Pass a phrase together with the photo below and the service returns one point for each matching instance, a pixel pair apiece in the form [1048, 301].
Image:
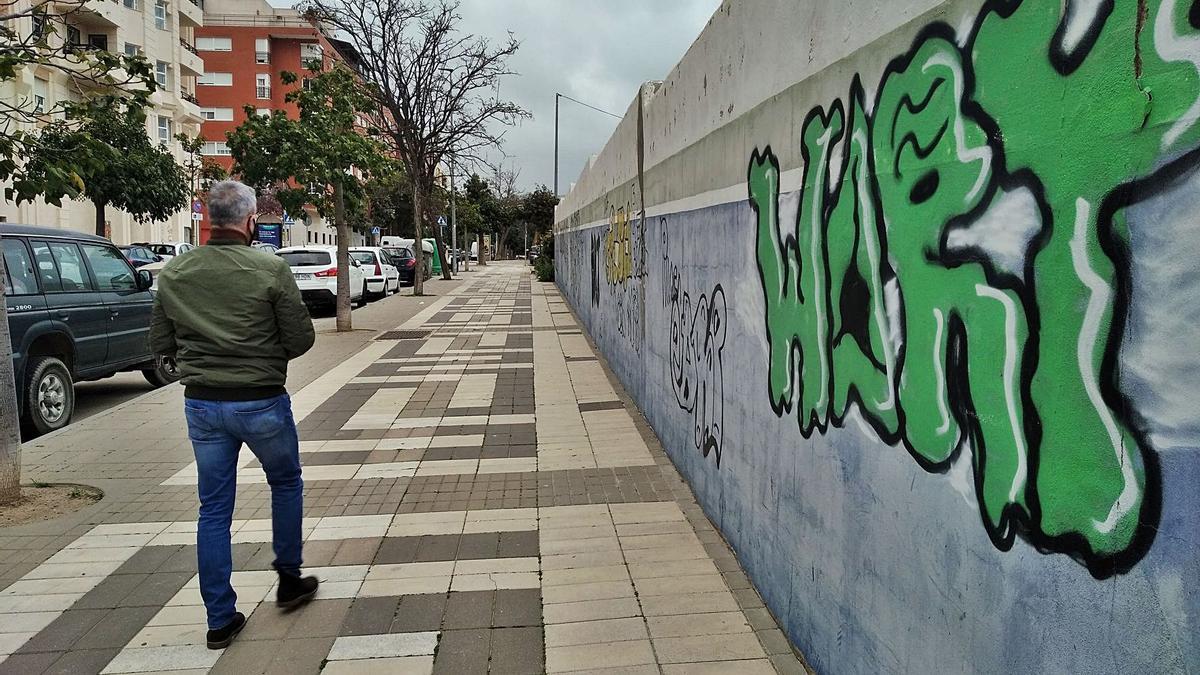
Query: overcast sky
[597, 51]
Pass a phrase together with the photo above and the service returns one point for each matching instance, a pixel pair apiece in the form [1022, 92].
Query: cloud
[598, 52]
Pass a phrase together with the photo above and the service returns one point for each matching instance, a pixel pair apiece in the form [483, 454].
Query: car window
[364, 257]
[21, 279]
[399, 253]
[70, 267]
[46, 269]
[111, 270]
[164, 249]
[306, 258]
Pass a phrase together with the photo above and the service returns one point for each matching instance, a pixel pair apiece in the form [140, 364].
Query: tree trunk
[418, 249]
[344, 321]
[10, 427]
[100, 219]
[479, 258]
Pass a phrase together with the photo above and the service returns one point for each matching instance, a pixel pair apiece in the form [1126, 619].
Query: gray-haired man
[232, 318]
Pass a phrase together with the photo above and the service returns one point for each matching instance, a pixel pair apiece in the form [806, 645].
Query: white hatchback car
[171, 249]
[383, 277]
[315, 269]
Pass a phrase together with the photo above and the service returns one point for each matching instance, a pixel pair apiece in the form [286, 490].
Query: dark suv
[77, 311]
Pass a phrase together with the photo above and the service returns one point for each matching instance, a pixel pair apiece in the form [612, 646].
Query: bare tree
[438, 89]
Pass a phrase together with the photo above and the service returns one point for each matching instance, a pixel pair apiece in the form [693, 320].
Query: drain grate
[405, 335]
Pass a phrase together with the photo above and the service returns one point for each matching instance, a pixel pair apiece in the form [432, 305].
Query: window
[309, 51]
[132, 49]
[217, 114]
[166, 130]
[39, 24]
[216, 79]
[262, 83]
[70, 267]
[41, 89]
[307, 84]
[98, 41]
[160, 15]
[263, 112]
[133, 4]
[162, 74]
[214, 44]
[111, 270]
[262, 50]
[74, 37]
[21, 279]
[216, 148]
[306, 258]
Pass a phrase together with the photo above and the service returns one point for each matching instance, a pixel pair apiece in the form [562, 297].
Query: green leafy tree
[31, 35]
[538, 207]
[319, 159]
[115, 163]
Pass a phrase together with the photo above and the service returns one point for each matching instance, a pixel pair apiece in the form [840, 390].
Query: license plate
[301, 276]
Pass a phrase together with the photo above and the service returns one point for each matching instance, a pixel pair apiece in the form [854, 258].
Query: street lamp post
[557, 96]
[453, 223]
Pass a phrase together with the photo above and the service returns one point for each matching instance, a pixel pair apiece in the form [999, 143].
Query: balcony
[190, 12]
[189, 109]
[189, 59]
[263, 92]
[104, 15]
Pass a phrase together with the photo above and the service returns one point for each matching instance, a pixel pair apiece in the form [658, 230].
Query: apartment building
[161, 30]
[247, 45]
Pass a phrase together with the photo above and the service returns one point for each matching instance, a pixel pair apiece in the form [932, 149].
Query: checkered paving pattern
[482, 499]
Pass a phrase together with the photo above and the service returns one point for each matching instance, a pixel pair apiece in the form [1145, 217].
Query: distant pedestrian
[232, 317]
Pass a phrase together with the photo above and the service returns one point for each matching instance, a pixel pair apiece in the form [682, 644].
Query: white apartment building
[164, 32]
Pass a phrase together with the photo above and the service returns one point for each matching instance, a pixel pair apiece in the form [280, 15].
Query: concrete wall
[909, 292]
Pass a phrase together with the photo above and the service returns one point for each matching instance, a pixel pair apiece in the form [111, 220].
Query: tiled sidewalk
[480, 497]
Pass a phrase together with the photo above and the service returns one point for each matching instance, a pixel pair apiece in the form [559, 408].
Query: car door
[72, 301]
[389, 269]
[25, 302]
[129, 308]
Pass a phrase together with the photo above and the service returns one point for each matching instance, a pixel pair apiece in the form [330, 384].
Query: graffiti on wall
[697, 340]
[624, 252]
[904, 288]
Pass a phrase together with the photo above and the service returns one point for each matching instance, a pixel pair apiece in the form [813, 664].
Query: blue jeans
[217, 430]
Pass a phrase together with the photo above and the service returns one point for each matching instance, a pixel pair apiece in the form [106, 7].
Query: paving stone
[705, 648]
[370, 616]
[608, 655]
[383, 646]
[247, 656]
[357, 551]
[463, 652]
[157, 589]
[299, 657]
[64, 631]
[320, 618]
[419, 613]
[469, 609]
[517, 651]
[29, 664]
[116, 627]
[595, 632]
[517, 607]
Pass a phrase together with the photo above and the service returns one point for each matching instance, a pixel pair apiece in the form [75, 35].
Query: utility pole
[453, 222]
[556, 97]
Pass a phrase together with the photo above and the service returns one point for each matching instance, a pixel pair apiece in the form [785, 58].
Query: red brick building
[247, 45]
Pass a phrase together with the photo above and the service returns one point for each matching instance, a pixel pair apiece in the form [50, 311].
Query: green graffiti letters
[939, 345]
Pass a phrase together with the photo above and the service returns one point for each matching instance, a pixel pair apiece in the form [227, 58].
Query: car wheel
[49, 395]
[166, 372]
[362, 298]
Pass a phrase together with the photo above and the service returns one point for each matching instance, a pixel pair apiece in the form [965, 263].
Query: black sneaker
[295, 591]
[221, 637]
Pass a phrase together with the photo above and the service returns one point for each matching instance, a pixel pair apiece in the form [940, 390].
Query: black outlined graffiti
[697, 340]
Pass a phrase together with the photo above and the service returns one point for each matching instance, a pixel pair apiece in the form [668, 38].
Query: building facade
[163, 32]
[247, 46]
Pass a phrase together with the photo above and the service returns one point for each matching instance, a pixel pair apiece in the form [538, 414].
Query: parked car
[77, 311]
[139, 255]
[404, 261]
[533, 253]
[315, 269]
[382, 275]
[168, 250]
[263, 246]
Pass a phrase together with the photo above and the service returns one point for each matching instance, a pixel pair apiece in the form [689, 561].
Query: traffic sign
[375, 231]
[197, 207]
[441, 221]
[197, 217]
[288, 220]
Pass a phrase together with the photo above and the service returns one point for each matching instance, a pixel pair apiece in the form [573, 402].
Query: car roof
[15, 229]
[292, 249]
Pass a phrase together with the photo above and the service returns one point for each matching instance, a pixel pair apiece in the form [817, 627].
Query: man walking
[232, 317]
